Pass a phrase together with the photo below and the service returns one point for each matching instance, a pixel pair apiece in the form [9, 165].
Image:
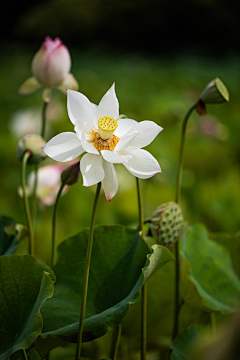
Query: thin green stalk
[26, 203]
[140, 206]
[24, 354]
[34, 198]
[176, 303]
[213, 323]
[144, 322]
[86, 275]
[144, 287]
[180, 162]
[54, 224]
[115, 342]
[44, 119]
[178, 193]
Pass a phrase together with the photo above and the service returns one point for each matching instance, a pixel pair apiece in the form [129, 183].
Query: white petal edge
[87, 146]
[115, 158]
[142, 164]
[110, 181]
[148, 130]
[92, 169]
[109, 105]
[79, 108]
[64, 147]
[126, 140]
[124, 125]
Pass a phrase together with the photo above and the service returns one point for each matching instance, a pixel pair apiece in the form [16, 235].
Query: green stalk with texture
[177, 199]
[144, 288]
[86, 275]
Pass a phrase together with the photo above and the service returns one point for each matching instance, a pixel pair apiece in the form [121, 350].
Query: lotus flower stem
[44, 118]
[26, 203]
[144, 287]
[115, 342]
[34, 198]
[178, 193]
[24, 354]
[213, 323]
[54, 224]
[86, 274]
[180, 162]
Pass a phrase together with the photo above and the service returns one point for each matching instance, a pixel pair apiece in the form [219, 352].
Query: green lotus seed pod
[215, 92]
[33, 144]
[167, 223]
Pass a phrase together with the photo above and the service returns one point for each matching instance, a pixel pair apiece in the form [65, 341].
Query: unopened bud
[167, 223]
[33, 144]
[71, 174]
[215, 92]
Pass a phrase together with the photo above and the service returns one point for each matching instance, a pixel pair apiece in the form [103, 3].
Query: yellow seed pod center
[106, 125]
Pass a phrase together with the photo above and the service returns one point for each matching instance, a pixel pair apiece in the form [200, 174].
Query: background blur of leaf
[161, 55]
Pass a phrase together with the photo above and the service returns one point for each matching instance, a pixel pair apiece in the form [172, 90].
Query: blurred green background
[161, 55]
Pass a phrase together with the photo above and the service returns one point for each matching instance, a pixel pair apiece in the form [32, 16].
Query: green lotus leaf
[212, 281]
[232, 243]
[11, 235]
[183, 344]
[116, 276]
[25, 284]
[161, 287]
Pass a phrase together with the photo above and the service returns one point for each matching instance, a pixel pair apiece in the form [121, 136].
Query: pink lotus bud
[52, 63]
[48, 184]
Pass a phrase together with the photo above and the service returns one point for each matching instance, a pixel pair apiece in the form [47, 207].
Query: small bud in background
[166, 223]
[50, 67]
[215, 92]
[71, 174]
[48, 184]
[33, 144]
[51, 63]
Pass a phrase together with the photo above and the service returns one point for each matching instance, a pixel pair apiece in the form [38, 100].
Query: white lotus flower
[106, 139]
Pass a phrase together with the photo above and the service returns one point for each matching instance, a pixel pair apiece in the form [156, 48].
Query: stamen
[107, 125]
[101, 144]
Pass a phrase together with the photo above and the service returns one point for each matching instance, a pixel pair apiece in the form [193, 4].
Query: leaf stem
[86, 274]
[177, 199]
[54, 224]
[26, 203]
[144, 287]
[176, 303]
[115, 342]
[24, 354]
[144, 322]
[44, 118]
